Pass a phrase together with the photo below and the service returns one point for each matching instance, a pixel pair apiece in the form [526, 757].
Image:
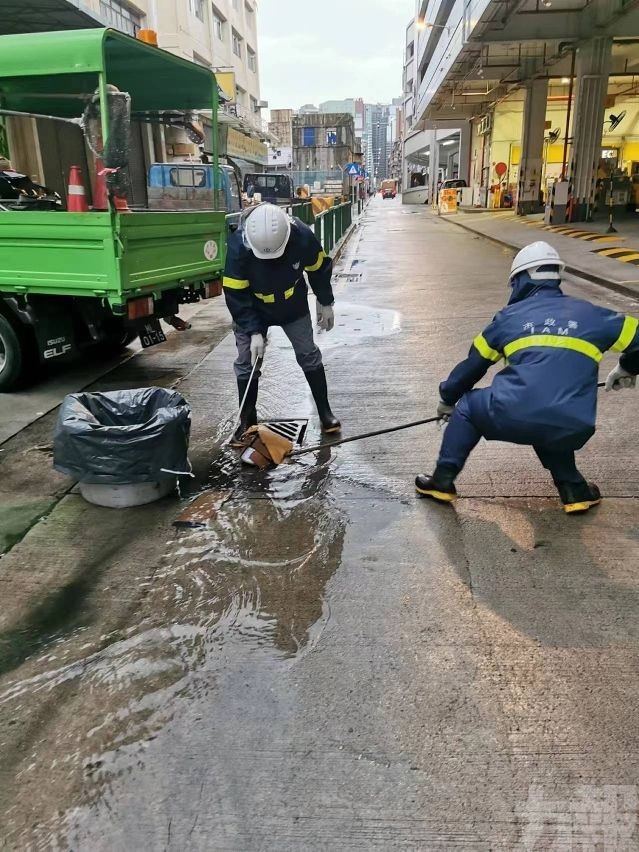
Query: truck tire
[12, 356]
[114, 343]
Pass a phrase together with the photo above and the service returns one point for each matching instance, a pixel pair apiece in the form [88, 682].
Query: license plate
[151, 334]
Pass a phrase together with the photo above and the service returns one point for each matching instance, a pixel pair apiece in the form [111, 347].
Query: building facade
[542, 96]
[221, 36]
[323, 142]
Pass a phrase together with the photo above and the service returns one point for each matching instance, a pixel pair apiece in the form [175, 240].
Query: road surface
[333, 664]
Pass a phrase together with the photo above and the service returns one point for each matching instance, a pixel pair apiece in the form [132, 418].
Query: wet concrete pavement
[332, 663]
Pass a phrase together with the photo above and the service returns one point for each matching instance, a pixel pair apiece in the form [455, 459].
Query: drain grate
[293, 430]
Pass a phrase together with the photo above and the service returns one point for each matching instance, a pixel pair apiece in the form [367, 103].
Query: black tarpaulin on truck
[122, 437]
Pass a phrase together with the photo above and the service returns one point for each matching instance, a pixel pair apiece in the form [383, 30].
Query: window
[218, 24]
[250, 15]
[237, 44]
[240, 95]
[254, 106]
[121, 17]
[197, 7]
[308, 136]
[200, 60]
[331, 136]
[188, 177]
[252, 59]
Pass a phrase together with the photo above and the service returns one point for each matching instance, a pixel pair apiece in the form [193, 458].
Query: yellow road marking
[611, 252]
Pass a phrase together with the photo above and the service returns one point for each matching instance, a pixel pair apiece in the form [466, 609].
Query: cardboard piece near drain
[203, 509]
[265, 448]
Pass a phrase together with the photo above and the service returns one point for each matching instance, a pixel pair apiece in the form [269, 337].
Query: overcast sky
[319, 50]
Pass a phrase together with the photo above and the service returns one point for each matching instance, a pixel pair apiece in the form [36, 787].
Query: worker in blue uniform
[546, 395]
[267, 260]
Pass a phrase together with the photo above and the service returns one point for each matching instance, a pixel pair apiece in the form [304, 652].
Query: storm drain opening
[293, 430]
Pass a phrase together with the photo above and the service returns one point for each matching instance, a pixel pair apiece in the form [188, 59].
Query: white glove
[444, 411]
[619, 379]
[325, 317]
[258, 344]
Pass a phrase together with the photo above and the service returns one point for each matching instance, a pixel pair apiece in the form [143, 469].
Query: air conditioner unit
[262, 104]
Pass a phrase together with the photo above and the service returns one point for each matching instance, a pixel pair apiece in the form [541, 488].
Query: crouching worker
[546, 396]
[265, 285]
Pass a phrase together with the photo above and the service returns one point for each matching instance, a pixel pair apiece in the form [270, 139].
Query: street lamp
[423, 25]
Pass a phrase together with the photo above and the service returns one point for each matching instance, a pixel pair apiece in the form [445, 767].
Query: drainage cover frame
[291, 428]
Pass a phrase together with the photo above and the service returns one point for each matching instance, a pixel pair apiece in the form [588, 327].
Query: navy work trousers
[472, 420]
[300, 334]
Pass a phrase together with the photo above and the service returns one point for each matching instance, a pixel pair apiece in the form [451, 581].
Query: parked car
[454, 183]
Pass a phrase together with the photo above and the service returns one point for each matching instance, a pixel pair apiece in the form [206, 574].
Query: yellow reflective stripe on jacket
[554, 341]
[236, 283]
[266, 298]
[626, 337]
[485, 350]
[316, 266]
[288, 293]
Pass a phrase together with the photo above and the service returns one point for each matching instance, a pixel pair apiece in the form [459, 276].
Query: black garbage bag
[122, 437]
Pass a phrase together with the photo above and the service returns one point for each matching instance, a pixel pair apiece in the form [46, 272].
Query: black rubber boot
[317, 382]
[578, 497]
[439, 486]
[248, 416]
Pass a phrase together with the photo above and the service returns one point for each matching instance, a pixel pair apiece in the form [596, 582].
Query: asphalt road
[332, 664]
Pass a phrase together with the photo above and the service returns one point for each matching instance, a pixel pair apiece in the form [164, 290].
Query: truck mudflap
[55, 337]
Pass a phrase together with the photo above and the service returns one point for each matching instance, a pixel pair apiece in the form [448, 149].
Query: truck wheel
[12, 356]
[114, 343]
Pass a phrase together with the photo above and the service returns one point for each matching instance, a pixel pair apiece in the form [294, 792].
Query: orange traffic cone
[100, 195]
[120, 203]
[76, 196]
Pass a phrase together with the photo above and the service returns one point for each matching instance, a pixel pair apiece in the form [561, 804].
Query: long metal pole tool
[387, 431]
[323, 446]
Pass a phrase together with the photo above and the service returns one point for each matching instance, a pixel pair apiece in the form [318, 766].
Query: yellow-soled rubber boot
[439, 487]
[578, 497]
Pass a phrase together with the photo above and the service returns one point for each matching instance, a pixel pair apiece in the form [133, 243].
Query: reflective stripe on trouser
[472, 421]
[299, 333]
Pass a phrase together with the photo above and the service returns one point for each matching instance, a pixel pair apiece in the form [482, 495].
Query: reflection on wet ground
[255, 576]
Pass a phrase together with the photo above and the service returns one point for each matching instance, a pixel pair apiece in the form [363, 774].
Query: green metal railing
[331, 225]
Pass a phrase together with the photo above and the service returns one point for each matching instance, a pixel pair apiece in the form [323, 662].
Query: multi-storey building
[323, 142]
[221, 35]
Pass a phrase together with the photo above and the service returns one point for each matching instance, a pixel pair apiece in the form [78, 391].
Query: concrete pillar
[532, 146]
[593, 62]
[465, 138]
[433, 166]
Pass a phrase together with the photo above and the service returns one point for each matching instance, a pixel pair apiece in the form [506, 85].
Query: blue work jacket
[552, 345]
[261, 293]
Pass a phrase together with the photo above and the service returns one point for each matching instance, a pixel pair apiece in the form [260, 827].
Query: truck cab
[189, 186]
[274, 188]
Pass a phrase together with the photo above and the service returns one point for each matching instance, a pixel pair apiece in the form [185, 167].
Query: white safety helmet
[534, 256]
[266, 229]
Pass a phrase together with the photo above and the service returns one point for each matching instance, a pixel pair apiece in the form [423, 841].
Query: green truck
[70, 280]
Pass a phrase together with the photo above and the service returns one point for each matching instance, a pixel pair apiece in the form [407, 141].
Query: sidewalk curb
[573, 270]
